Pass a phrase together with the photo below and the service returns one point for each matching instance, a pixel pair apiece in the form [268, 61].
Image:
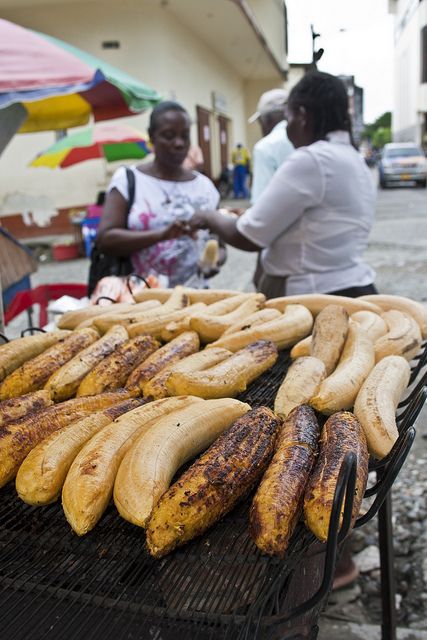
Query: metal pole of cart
[388, 578]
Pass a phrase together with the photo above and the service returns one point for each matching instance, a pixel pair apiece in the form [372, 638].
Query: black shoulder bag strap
[106, 265]
[131, 189]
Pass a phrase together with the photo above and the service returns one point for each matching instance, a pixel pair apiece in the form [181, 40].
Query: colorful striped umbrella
[112, 141]
[60, 86]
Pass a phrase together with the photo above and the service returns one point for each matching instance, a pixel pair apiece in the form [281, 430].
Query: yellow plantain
[88, 486]
[371, 322]
[149, 466]
[315, 302]
[211, 327]
[228, 378]
[415, 309]
[42, 474]
[300, 384]
[18, 438]
[156, 387]
[292, 325]
[339, 390]
[403, 337]
[377, 400]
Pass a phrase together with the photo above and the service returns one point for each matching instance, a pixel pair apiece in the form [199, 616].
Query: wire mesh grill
[105, 585]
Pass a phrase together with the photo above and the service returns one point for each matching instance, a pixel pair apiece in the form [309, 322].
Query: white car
[402, 162]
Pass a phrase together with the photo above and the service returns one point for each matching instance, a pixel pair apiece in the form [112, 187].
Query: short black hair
[160, 109]
[325, 97]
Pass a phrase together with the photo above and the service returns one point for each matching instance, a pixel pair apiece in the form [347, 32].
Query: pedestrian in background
[241, 159]
[274, 147]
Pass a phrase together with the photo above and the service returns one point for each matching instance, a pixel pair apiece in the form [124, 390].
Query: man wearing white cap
[274, 147]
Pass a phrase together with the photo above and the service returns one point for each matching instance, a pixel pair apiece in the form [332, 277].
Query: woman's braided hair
[325, 98]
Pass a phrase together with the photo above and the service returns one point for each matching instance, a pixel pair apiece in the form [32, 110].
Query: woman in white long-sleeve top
[313, 220]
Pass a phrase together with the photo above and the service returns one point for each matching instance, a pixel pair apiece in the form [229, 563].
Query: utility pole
[316, 55]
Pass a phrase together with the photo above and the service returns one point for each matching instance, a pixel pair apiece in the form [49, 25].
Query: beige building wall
[410, 96]
[270, 14]
[156, 49]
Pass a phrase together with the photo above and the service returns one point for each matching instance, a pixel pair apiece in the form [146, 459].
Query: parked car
[402, 162]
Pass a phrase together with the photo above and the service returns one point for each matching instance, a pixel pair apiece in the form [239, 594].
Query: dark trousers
[275, 287]
[239, 181]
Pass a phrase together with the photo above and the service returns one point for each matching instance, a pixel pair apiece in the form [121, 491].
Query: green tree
[382, 123]
[381, 136]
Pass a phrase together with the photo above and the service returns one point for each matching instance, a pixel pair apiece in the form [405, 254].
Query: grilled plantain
[88, 486]
[301, 383]
[72, 319]
[278, 502]
[329, 335]
[113, 371]
[15, 353]
[228, 378]
[16, 408]
[18, 438]
[149, 466]
[339, 390]
[210, 327]
[41, 476]
[155, 326]
[377, 401]
[214, 483]
[182, 346]
[156, 387]
[32, 375]
[64, 383]
[341, 434]
[284, 331]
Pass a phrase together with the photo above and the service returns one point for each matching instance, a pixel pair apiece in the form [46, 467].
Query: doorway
[204, 138]
[223, 125]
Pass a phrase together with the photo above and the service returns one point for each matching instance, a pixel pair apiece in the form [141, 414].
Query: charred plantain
[341, 434]
[278, 502]
[214, 483]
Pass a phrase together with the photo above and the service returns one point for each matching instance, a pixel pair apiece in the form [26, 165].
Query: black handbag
[103, 264]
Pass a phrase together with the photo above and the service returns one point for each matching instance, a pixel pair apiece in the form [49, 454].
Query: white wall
[410, 96]
[155, 49]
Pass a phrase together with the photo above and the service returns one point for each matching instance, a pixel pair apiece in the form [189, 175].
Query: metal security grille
[106, 586]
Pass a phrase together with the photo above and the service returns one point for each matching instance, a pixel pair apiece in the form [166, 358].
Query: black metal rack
[219, 587]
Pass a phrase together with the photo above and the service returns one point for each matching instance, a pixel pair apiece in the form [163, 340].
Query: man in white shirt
[274, 147]
[269, 152]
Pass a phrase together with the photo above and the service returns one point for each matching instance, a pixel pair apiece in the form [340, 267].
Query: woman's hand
[176, 230]
[199, 220]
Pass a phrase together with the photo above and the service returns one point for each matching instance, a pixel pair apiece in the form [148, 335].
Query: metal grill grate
[105, 585]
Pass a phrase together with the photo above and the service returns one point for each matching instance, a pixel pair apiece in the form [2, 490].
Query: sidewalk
[332, 630]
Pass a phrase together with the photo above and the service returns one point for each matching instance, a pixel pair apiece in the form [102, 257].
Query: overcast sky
[357, 36]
